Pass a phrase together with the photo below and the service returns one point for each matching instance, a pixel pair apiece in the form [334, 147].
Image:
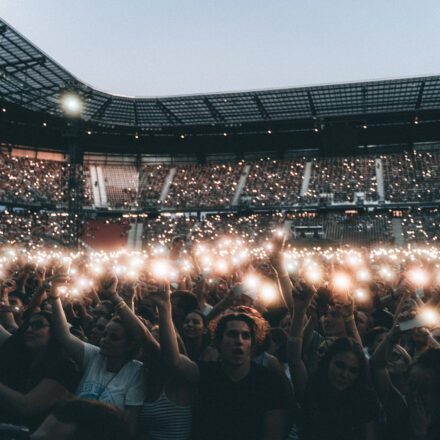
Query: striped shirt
[164, 420]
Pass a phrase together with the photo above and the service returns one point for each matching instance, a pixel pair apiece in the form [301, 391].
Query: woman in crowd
[34, 372]
[337, 401]
[195, 335]
[109, 373]
[166, 412]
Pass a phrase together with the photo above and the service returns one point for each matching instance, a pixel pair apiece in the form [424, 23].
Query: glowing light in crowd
[429, 316]
[268, 292]
[386, 273]
[313, 275]
[161, 269]
[360, 294]
[363, 275]
[251, 281]
[418, 277]
[62, 290]
[341, 281]
[119, 270]
[221, 266]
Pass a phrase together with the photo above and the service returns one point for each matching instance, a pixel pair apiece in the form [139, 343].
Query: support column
[306, 179]
[241, 183]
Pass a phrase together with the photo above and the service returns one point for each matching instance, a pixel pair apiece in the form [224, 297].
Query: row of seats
[407, 177]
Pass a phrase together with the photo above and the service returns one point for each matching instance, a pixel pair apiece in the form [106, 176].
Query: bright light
[221, 266]
[135, 262]
[353, 260]
[418, 277]
[72, 104]
[268, 292]
[360, 294]
[161, 269]
[97, 270]
[83, 282]
[313, 275]
[341, 281]
[62, 290]
[119, 270]
[280, 232]
[386, 273]
[430, 316]
[363, 275]
[251, 281]
[291, 266]
[132, 274]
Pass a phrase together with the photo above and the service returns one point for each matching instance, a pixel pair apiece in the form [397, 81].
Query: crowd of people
[207, 186]
[244, 336]
[37, 181]
[273, 182]
[412, 176]
[407, 177]
[339, 179]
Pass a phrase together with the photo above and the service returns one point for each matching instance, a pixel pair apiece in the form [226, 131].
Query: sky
[177, 47]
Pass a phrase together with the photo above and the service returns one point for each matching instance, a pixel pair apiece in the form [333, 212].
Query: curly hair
[258, 327]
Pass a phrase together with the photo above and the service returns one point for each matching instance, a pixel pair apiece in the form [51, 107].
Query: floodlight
[71, 104]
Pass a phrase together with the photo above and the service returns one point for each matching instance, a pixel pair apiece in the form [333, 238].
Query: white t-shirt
[124, 388]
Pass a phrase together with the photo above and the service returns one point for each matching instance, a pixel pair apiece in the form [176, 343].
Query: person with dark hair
[337, 401]
[183, 302]
[236, 399]
[423, 396]
[81, 419]
[109, 373]
[195, 334]
[34, 373]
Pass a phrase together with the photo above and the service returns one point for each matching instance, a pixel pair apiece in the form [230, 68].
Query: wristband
[116, 301]
[295, 339]
[120, 305]
[349, 319]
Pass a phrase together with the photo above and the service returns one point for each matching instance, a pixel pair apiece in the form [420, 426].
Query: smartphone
[412, 323]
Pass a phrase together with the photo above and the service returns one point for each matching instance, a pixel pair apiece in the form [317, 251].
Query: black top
[17, 374]
[235, 410]
[332, 415]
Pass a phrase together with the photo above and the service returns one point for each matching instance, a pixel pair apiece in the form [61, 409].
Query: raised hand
[302, 294]
[162, 296]
[107, 286]
[346, 308]
[57, 281]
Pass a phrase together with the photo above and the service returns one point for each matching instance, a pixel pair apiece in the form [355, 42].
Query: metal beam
[172, 118]
[101, 110]
[261, 109]
[364, 100]
[26, 63]
[135, 110]
[420, 95]
[311, 104]
[214, 112]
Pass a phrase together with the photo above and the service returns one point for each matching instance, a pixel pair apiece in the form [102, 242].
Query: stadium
[325, 195]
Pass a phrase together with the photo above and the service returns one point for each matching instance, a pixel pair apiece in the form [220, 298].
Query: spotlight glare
[71, 104]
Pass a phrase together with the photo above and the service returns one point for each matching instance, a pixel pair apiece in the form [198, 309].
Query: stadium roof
[30, 79]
